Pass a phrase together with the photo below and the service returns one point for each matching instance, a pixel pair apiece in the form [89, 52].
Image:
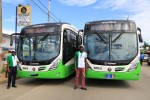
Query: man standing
[80, 65]
[12, 61]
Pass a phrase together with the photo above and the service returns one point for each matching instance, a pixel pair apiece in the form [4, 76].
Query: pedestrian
[5, 62]
[12, 61]
[141, 58]
[80, 67]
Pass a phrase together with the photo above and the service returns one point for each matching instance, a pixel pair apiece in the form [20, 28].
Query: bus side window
[73, 43]
[69, 45]
[66, 46]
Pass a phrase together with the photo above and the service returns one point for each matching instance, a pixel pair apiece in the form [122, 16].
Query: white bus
[47, 50]
[113, 50]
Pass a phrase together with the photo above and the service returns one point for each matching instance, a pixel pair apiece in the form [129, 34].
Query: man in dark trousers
[80, 67]
[12, 61]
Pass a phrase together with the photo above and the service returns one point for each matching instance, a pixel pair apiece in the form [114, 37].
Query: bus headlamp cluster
[88, 66]
[18, 67]
[133, 66]
[55, 64]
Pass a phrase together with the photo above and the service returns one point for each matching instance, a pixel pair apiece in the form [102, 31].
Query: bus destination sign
[40, 30]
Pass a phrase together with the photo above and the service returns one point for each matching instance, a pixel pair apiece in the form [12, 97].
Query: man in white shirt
[80, 66]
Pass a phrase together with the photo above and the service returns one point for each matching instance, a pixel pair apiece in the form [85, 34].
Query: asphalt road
[36, 89]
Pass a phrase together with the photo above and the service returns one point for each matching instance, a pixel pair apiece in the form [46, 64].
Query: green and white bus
[112, 48]
[47, 50]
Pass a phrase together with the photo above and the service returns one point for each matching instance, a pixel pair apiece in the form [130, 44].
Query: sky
[78, 12]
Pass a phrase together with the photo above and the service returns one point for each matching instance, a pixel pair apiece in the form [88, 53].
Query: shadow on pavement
[145, 64]
[99, 83]
[37, 82]
[69, 81]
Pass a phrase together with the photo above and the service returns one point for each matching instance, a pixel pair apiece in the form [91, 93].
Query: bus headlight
[88, 66]
[18, 67]
[133, 66]
[55, 64]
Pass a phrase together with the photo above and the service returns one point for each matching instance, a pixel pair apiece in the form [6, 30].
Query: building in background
[5, 45]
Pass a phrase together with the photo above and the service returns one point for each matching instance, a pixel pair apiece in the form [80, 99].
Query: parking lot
[37, 89]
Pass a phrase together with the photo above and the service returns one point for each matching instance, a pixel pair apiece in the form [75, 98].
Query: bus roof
[47, 24]
[111, 25]
[45, 27]
[109, 21]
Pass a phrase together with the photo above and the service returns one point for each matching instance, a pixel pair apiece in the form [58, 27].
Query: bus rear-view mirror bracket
[11, 38]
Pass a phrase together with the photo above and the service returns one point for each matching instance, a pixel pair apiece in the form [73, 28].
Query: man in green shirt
[12, 61]
[80, 66]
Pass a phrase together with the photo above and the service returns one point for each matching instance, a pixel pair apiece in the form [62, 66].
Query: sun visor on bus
[51, 30]
[126, 26]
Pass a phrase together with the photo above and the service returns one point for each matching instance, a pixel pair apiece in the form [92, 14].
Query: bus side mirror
[140, 35]
[11, 40]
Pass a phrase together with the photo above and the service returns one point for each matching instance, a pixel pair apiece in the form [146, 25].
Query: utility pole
[16, 27]
[49, 2]
[0, 34]
[0, 21]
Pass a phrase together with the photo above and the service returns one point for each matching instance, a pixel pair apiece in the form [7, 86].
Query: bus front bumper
[42, 74]
[132, 75]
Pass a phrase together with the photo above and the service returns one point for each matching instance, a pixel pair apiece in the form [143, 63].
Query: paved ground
[2, 78]
[36, 89]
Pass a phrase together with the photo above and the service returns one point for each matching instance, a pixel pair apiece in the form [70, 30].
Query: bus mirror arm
[140, 35]
[11, 38]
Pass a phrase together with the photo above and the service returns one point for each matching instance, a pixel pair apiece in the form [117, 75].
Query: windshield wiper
[100, 37]
[117, 37]
[44, 37]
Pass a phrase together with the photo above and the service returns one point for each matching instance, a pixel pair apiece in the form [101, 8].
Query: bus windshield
[39, 47]
[111, 47]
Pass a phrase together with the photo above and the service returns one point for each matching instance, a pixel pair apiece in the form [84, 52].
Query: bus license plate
[109, 76]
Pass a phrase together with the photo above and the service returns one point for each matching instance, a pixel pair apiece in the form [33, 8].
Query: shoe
[83, 88]
[75, 87]
[14, 86]
[8, 87]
